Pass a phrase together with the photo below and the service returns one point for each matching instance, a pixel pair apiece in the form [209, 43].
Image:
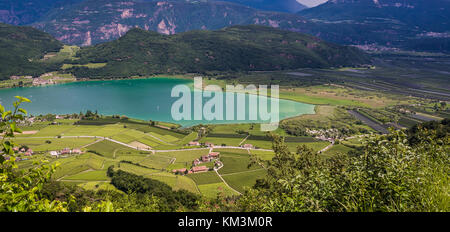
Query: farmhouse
[200, 169]
[196, 162]
[65, 151]
[248, 146]
[39, 81]
[209, 144]
[193, 143]
[29, 152]
[54, 153]
[180, 171]
[206, 158]
[214, 155]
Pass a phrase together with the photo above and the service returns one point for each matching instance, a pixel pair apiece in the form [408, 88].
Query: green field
[51, 144]
[212, 190]
[240, 181]
[337, 149]
[205, 178]
[264, 155]
[89, 175]
[235, 160]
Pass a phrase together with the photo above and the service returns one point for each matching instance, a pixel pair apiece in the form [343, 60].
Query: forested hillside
[21, 47]
[237, 48]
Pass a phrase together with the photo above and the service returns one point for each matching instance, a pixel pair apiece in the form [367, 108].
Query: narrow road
[223, 180]
[326, 148]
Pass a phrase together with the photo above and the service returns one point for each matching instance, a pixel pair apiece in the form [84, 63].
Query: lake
[145, 99]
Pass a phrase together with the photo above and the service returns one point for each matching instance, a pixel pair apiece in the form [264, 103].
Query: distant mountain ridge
[407, 24]
[431, 15]
[22, 12]
[96, 21]
[290, 6]
[142, 53]
[421, 25]
[237, 48]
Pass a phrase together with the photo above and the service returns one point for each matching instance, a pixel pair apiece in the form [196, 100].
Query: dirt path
[326, 148]
[92, 143]
[223, 180]
[244, 140]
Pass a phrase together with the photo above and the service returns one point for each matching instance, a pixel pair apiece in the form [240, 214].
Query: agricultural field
[223, 141]
[154, 149]
[90, 65]
[336, 149]
[212, 190]
[235, 160]
[263, 155]
[242, 180]
[105, 148]
[51, 144]
[205, 178]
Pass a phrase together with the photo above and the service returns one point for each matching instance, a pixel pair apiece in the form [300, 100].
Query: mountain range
[419, 25]
[95, 21]
[237, 48]
[406, 24]
[140, 53]
[291, 6]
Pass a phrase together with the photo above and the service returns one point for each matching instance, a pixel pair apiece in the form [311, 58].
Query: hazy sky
[311, 3]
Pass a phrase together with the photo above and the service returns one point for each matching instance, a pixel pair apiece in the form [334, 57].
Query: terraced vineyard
[107, 143]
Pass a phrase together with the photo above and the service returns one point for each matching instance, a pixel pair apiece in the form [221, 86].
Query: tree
[393, 174]
[21, 190]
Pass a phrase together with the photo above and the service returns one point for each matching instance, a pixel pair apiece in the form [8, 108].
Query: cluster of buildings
[196, 168]
[24, 151]
[325, 134]
[207, 144]
[44, 79]
[41, 81]
[65, 151]
[194, 143]
[28, 152]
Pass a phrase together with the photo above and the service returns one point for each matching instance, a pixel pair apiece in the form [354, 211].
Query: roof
[200, 168]
[214, 154]
[53, 153]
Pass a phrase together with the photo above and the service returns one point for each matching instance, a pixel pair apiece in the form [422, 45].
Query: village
[42, 80]
[211, 158]
[25, 153]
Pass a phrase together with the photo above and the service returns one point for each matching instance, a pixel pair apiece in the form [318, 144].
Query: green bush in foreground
[22, 191]
[392, 175]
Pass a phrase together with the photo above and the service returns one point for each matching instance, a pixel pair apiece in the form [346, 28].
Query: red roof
[200, 169]
[214, 154]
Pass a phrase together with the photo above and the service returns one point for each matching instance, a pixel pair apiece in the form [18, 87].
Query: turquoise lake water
[146, 99]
